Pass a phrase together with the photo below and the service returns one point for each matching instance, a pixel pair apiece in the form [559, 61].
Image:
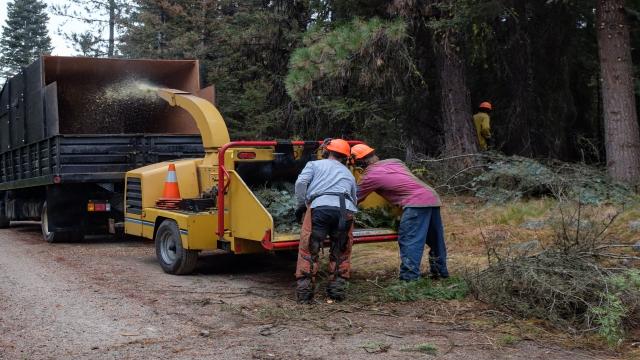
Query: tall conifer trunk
[622, 137]
[459, 137]
[112, 27]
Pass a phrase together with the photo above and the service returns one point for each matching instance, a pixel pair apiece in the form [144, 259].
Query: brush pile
[578, 283]
[498, 178]
[513, 177]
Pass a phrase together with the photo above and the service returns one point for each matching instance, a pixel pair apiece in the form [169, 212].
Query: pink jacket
[394, 181]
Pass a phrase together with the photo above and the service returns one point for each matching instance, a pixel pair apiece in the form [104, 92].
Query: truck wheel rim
[45, 224]
[168, 248]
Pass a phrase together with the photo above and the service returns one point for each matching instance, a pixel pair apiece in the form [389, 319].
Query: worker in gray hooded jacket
[326, 196]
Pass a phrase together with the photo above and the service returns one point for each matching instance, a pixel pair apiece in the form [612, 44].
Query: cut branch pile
[578, 283]
[499, 178]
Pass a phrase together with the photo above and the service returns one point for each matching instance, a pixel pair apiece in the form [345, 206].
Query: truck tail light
[95, 206]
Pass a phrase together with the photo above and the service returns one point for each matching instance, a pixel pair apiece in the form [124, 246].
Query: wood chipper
[217, 209]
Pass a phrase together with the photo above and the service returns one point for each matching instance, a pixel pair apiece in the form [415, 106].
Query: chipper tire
[56, 236]
[173, 258]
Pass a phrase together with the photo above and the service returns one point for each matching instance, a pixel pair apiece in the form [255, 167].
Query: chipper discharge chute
[218, 209]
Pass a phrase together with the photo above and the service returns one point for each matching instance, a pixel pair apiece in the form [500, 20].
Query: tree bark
[459, 137]
[112, 26]
[622, 137]
[517, 136]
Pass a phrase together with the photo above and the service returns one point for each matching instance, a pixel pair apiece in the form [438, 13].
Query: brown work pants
[317, 225]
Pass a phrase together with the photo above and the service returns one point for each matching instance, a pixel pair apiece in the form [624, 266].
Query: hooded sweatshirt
[392, 180]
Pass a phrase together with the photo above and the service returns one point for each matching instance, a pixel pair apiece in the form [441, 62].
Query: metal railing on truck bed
[90, 158]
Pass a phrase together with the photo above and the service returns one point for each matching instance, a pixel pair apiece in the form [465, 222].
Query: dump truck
[71, 127]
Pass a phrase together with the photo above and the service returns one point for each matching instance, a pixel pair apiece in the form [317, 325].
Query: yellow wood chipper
[218, 210]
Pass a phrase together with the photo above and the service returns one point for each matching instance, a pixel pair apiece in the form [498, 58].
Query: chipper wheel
[173, 258]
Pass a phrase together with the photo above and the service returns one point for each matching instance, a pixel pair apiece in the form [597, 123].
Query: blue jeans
[420, 225]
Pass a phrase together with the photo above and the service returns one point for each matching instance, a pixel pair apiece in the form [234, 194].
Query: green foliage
[512, 178]
[627, 281]
[608, 317]
[375, 347]
[617, 303]
[425, 348]
[350, 80]
[508, 340]
[279, 199]
[332, 56]
[25, 35]
[452, 288]
[376, 218]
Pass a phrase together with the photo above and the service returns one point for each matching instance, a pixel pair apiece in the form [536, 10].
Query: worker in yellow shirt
[482, 122]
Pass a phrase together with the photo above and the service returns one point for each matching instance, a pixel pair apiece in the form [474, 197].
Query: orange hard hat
[339, 146]
[486, 105]
[361, 151]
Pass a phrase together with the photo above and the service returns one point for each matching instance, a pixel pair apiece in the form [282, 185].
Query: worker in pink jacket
[421, 222]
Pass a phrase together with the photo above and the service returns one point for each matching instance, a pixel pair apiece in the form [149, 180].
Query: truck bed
[90, 158]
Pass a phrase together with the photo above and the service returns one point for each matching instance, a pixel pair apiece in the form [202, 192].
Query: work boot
[337, 289]
[304, 291]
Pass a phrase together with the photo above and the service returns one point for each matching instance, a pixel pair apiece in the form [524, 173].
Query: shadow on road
[227, 264]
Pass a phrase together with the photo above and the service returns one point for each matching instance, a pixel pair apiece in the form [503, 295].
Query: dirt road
[106, 299]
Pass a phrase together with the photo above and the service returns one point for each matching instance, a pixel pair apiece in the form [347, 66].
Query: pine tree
[105, 19]
[619, 106]
[25, 35]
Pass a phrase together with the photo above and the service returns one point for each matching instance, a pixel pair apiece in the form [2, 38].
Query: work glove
[300, 211]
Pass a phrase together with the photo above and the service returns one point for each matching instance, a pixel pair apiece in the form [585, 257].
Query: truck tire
[4, 220]
[173, 258]
[56, 236]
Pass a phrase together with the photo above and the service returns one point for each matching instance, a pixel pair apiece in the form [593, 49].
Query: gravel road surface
[104, 299]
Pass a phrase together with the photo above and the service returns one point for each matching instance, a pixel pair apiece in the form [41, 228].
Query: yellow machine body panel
[197, 230]
[153, 177]
[248, 218]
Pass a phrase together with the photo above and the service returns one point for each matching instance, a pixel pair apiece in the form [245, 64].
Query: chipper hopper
[217, 209]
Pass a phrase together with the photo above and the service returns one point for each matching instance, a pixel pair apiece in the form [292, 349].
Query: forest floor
[109, 299]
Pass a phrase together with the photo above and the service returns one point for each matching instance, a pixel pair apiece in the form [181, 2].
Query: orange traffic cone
[171, 193]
